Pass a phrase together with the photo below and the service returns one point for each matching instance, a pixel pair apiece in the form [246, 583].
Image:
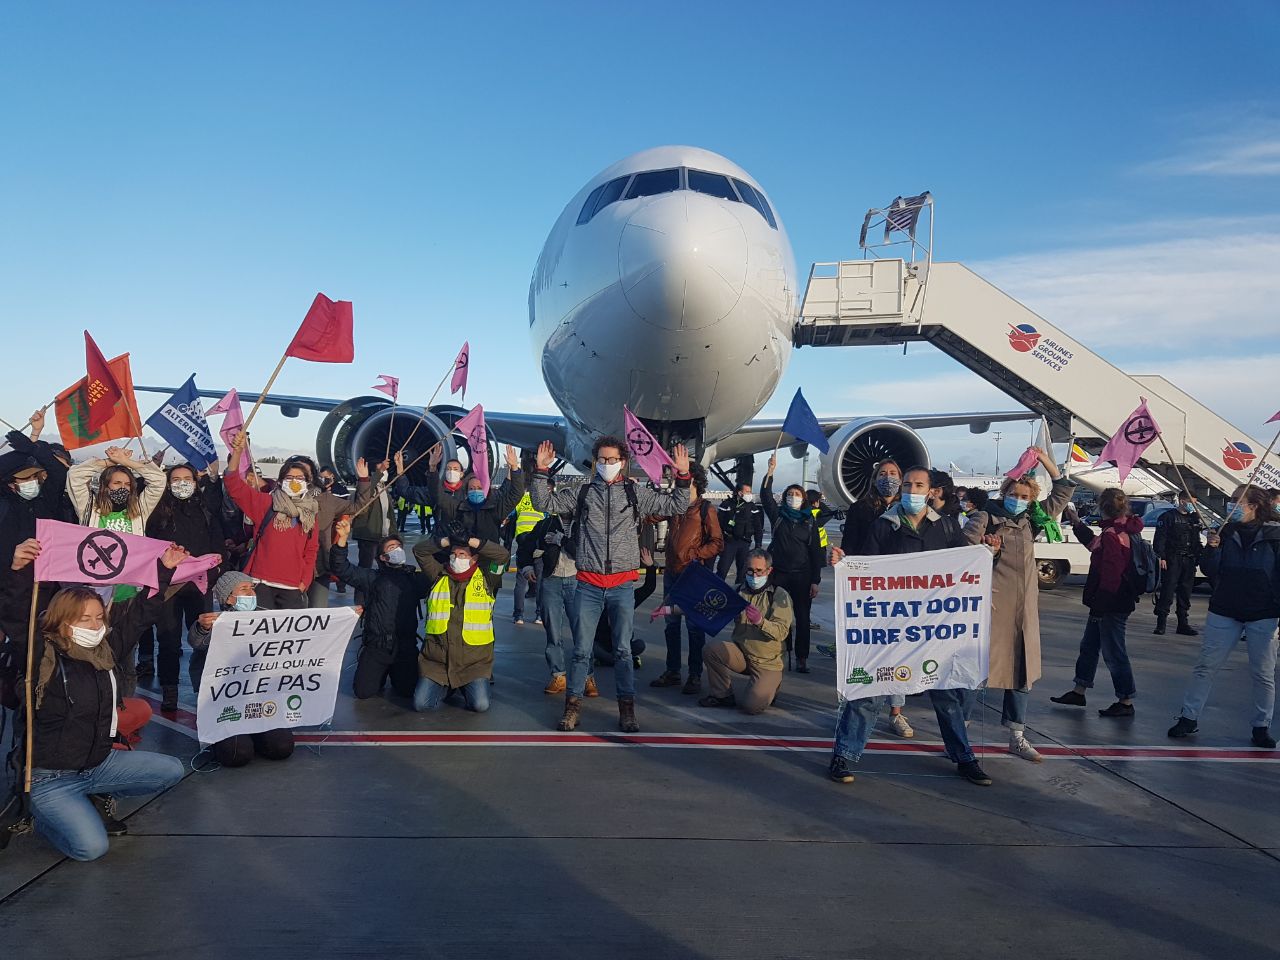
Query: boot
[627, 715]
[1161, 621]
[106, 807]
[1186, 629]
[572, 707]
[169, 699]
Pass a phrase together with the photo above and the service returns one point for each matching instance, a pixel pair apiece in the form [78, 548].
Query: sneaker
[1117, 709]
[1187, 630]
[666, 679]
[711, 700]
[826, 649]
[538, 621]
[106, 807]
[973, 773]
[1262, 738]
[899, 725]
[1019, 747]
[839, 770]
[692, 685]
[636, 663]
[1185, 727]
[1070, 699]
[591, 690]
[518, 621]
[557, 685]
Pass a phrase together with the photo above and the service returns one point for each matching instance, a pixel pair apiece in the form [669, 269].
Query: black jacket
[858, 521]
[890, 535]
[195, 524]
[1177, 535]
[391, 598]
[535, 540]
[18, 516]
[740, 520]
[795, 547]
[1245, 578]
[450, 505]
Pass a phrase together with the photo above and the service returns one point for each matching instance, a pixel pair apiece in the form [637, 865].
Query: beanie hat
[227, 584]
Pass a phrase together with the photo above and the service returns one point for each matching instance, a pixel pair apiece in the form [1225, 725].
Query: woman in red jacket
[282, 558]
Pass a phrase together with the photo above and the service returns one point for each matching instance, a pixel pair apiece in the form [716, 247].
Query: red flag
[101, 392]
[460, 367]
[326, 333]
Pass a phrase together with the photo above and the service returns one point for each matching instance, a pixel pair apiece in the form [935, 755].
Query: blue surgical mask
[1235, 513]
[475, 497]
[914, 503]
[246, 604]
[1015, 507]
[887, 486]
[757, 583]
[395, 556]
[1188, 508]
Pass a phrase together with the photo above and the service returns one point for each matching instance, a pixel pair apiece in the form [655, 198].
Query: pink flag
[231, 426]
[389, 385]
[1134, 436]
[1026, 463]
[472, 427]
[460, 368]
[1275, 418]
[70, 553]
[645, 451]
[196, 570]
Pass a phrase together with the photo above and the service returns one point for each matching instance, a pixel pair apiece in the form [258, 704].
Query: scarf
[461, 577]
[99, 657]
[1043, 523]
[287, 509]
[795, 516]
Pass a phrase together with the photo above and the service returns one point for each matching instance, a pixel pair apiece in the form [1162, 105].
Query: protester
[523, 519]
[390, 637]
[694, 537]
[910, 526]
[742, 522]
[797, 555]
[759, 633]
[376, 520]
[1007, 527]
[607, 513]
[942, 494]
[121, 503]
[1243, 564]
[602, 646]
[282, 556]
[187, 515]
[973, 500]
[1111, 594]
[335, 501]
[1177, 546]
[885, 484]
[330, 483]
[458, 652]
[236, 592]
[464, 499]
[821, 515]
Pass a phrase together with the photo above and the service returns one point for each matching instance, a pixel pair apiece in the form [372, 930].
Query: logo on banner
[293, 713]
[1238, 456]
[269, 709]
[1024, 338]
[640, 442]
[929, 667]
[902, 674]
[229, 713]
[1140, 430]
[102, 555]
[858, 675]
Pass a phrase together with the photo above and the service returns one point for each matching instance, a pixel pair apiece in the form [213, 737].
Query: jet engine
[846, 472]
[361, 427]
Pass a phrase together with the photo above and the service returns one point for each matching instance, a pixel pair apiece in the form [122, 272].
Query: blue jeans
[1105, 634]
[1013, 713]
[697, 637]
[428, 695]
[524, 588]
[592, 602]
[1219, 638]
[60, 798]
[559, 620]
[858, 718]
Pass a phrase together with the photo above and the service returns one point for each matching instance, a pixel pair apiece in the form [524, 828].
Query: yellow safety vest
[477, 610]
[526, 517]
[822, 531]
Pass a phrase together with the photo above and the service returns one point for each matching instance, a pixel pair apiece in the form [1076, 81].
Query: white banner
[272, 669]
[912, 622]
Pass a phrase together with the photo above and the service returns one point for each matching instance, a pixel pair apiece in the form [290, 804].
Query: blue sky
[181, 180]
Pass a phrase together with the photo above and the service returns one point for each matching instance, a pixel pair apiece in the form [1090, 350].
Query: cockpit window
[755, 199]
[589, 208]
[713, 184]
[654, 182]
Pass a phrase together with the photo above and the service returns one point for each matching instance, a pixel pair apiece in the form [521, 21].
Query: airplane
[667, 284]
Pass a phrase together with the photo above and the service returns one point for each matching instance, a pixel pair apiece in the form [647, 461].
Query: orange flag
[72, 410]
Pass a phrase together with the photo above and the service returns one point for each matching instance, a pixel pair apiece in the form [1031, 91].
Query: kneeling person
[759, 634]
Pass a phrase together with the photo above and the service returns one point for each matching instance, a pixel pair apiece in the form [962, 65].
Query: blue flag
[803, 425]
[705, 599]
[180, 421]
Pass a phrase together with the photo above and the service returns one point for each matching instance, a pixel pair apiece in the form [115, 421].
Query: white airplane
[668, 285]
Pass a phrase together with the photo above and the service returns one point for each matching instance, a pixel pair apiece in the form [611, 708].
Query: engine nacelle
[361, 427]
[847, 471]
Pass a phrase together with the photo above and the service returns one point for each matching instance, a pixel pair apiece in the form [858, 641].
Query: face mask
[475, 497]
[295, 487]
[395, 556]
[608, 471]
[914, 503]
[245, 604]
[1015, 507]
[1235, 513]
[453, 476]
[757, 583]
[887, 486]
[1188, 508]
[795, 503]
[326, 481]
[182, 489]
[459, 564]
[84, 637]
[28, 489]
[748, 498]
[119, 497]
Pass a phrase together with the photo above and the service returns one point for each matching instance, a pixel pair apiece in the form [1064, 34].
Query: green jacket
[762, 642]
[446, 658]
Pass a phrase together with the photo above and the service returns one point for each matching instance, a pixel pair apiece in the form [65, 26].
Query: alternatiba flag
[709, 602]
[472, 427]
[70, 553]
[326, 334]
[101, 391]
[180, 421]
[232, 425]
[645, 450]
[71, 409]
[390, 386]
[460, 367]
[1137, 433]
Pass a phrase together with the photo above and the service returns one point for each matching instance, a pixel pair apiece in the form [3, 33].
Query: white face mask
[295, 487]
[84, 637]
[459, 564]
[795, 503]
[453, 476]
[182, 489]
[748, 497]
[608, 471]
[28, 489]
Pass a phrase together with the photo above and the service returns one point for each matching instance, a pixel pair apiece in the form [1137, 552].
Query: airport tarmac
[711, 834]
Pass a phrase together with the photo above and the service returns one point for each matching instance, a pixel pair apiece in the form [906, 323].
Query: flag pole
[133, 419]
[387, 486]
[30, 709]
[1263, 459]
[391, 431]
[244, 428]
[1181, 480]
[427, 408]
[30, 420]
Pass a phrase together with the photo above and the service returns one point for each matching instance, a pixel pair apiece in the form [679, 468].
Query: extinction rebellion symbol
[102, 555]
[640, 442]
[1139, 430]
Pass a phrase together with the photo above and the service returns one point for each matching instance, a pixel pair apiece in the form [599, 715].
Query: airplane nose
[682, 259]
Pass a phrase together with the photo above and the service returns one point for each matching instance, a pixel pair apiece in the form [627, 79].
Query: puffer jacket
[607, 534]
[1246, 579]
[446, 658]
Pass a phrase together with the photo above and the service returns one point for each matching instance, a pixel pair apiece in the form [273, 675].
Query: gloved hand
[555, 539]
[663, 611]
[754, 616]
[457, 532]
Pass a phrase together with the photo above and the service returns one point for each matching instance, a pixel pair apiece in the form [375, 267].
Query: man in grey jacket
[606, 548]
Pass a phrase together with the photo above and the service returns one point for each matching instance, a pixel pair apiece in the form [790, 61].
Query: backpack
[579, 516]
[1143, 565]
